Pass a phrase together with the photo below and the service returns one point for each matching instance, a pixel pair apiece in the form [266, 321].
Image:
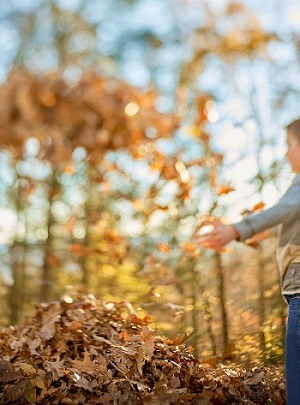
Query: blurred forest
[124, 124]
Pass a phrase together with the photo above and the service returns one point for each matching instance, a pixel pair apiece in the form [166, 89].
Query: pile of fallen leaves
[85, 351]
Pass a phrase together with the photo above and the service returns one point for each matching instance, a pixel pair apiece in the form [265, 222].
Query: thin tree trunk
[46, 275]
[195, 314]
[15, 297]
[208, 319]
[221, 291]
[87, 210]
[17, 251]
[261, 300]
[83, 262]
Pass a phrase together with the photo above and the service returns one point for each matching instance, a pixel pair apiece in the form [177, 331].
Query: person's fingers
[205, 240]
[210, 243]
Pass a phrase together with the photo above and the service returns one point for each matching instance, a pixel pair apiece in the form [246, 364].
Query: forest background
[123, 124]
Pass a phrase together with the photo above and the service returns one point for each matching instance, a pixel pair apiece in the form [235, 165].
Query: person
[284, 219]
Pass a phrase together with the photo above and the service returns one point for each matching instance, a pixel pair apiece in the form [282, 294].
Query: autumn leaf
[69, 169]
[164, 247]
[86, 365]
[30, 393]
[113, 236]
[16, 391]
[55, 368]
[257, 207]
[52, 260]
[48, 330]
[180, 339]
[225, 189]
[235, 7]
[7, 372]
[189, 248]
[69, 224]
[28, 370]
[123, 335]
[140, 359]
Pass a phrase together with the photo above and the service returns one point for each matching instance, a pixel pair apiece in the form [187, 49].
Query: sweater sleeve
[283, 211]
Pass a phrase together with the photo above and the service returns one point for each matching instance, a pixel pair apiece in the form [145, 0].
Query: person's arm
[286, 208]
[223, 234]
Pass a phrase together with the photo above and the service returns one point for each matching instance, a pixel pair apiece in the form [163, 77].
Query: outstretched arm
[222, 234]
[254, 225]
[286, 209]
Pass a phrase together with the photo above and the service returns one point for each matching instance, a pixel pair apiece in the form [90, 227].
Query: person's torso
[288, 254]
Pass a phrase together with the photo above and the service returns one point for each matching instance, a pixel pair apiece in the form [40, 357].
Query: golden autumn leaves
[96, 113]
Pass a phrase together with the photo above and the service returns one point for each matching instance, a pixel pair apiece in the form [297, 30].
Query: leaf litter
[85, 351]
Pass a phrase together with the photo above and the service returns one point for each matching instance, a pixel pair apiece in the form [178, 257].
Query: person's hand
[218, 237]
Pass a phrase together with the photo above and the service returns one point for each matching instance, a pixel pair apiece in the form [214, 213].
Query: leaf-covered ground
[85, 351]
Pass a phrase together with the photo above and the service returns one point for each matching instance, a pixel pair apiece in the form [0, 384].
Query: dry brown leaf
[86, 365]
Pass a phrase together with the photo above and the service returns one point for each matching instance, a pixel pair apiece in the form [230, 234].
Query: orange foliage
[92, 114]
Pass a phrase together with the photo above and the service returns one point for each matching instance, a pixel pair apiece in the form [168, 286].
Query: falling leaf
[257, 207]
[225, 189]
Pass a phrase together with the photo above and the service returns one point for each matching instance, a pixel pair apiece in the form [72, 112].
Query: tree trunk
[261, 300]
[208, 319]
[221, 291]
[195, 314]
[17, 252]
[87, 210]
[46, 276]
[16, 293]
